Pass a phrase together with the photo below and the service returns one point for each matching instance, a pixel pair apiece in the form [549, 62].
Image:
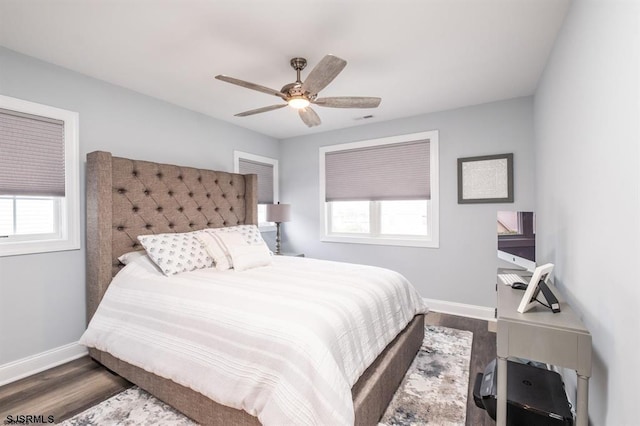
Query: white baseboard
[461, 309]
[28, 366]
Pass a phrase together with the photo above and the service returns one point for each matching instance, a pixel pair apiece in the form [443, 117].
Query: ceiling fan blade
[323, 74]
[348, 102]
[251, 86]
[309, 117]
[259, 110]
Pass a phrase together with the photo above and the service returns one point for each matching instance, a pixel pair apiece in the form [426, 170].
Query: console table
[540, 335]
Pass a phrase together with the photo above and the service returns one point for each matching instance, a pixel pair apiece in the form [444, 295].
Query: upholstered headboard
[127, 198]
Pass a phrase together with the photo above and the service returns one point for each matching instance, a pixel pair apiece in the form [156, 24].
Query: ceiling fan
[300, 95]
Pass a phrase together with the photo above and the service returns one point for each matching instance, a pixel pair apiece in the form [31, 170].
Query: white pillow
[127, 258]
[244, 255]
[215, 249]
[250, 233]
[176, 253]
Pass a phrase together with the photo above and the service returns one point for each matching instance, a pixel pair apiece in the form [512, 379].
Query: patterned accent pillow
[176, 253]
[250, 233]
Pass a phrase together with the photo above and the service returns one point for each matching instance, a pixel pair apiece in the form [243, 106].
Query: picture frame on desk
[538, 283]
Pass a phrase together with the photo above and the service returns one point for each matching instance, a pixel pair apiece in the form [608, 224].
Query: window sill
[405, 242]
[33, 247]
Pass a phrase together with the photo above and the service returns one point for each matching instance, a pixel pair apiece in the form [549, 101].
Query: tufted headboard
[127, 198]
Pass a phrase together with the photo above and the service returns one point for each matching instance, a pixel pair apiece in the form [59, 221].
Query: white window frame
[68, 237]
[237, 156]
[432, 240]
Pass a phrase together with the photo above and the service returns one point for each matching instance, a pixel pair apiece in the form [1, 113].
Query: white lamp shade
[278, 213]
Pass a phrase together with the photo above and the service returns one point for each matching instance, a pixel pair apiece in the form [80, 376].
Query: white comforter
[284, 342]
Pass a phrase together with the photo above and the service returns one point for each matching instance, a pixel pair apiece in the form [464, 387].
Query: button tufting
[135, 245]
[224, 223]
[159, 209]
[215, 181]
[231, 208]
[135, 173]
[135, 209]
[191, 194]
[199, 179]
[148, 226]
[179, 177]
[121, 191]
[171, 225]
[216, 209]
[191, 225]
[180, 209]
[224, 195]
[208, 195]
[199, 209]
[120, 228]
[146, 192]
[231, 182]
[170, 193]
[159, 175]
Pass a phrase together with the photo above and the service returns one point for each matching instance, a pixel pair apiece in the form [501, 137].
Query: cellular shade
[31, 155]
[265, 178]
[384, 172]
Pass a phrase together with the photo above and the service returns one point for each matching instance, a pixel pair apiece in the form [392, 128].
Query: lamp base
[277, 238]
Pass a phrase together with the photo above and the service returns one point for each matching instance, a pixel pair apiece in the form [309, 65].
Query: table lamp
[278, 213]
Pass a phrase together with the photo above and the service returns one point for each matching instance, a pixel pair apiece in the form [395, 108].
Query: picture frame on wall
[485, 179]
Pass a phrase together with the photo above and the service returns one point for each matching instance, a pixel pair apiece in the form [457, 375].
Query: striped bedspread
[284, 342]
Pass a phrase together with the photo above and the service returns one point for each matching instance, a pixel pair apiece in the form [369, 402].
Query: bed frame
[127, 198]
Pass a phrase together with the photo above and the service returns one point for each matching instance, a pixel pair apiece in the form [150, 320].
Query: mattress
[285, 342]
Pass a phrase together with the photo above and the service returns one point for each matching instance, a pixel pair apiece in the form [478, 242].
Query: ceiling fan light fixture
[298, 102]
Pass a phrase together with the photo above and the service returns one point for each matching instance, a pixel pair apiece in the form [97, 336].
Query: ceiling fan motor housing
[295, 89]
[298, 64]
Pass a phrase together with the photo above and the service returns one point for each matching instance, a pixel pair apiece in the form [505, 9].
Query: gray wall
[42, 296]
[463, 268]
[588, 188]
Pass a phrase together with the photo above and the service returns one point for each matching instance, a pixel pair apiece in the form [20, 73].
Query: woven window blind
[385, 172]
[265, 178]
[31, 155]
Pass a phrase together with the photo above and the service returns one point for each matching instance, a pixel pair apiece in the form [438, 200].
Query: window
[39, 203]
[382, 191]
[267, 170]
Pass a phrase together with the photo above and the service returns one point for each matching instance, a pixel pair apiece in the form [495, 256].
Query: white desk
[540, 335]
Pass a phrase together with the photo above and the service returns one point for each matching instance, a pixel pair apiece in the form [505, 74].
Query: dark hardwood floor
[64, 391]
[61, 392]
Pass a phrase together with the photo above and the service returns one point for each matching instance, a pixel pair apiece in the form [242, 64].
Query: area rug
[434, 391]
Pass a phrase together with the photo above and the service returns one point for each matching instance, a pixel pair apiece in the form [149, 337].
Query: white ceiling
[418, 56]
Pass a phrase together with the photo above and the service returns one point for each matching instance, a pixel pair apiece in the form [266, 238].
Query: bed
[128, 198]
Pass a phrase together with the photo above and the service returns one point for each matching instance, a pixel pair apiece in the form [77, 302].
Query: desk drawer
[549, 345]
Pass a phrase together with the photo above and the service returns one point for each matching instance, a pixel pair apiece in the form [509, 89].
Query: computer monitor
[517, 239]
